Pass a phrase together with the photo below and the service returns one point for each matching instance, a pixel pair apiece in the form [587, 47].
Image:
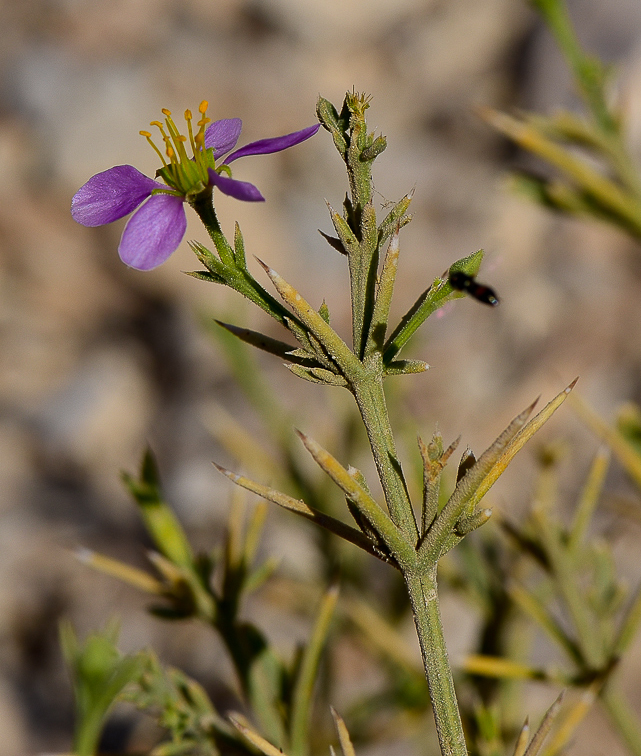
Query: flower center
[186, 175]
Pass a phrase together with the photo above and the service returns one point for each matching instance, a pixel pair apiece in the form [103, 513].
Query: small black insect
[463, 282]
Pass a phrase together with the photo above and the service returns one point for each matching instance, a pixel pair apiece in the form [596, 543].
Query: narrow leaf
[533, 607]
[254, 738]
[589, 499]
[465, 496]
[522, 740]
[317, 375]
[396, 218]
[304, 687]
[605, 191]
[132, 575]
[330, 340]
[343, 734]
[259, 340]
[521, 438]
[385, 289]
[378, 519]
[159, 519]
[239, 248]
[572, 718]
[622, 449]
[544, 728]
[341, 529]
[405, 367]
[345, 234]
[430, 300]
[501, 668]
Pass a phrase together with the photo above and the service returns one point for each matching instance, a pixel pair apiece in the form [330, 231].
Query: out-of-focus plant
[211, 588]
[597, 176]
[572, 593]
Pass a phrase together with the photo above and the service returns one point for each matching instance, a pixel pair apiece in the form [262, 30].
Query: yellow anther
[182, 173]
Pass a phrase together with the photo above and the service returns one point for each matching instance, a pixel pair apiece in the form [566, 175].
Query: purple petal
[241, 190]
[111, 195]
[153, 232]
[223, 135]
[275, 144]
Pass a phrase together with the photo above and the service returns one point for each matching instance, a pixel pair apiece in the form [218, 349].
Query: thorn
[227, 473]
[265, 267]
[572, 385]
[229, 327]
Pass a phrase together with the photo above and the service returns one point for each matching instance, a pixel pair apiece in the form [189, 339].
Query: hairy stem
[370, 398]
[423, 595]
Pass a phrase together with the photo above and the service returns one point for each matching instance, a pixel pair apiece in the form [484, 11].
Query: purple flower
[157, 227]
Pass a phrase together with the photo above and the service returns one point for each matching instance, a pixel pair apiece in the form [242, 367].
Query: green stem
[622, 717]
[423, 595]
[203, 206]
[370, 399]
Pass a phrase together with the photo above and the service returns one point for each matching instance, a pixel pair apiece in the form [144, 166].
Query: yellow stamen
[147, 136]
[182, 173]
[191, 133]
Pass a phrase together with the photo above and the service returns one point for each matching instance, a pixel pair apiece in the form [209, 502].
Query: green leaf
[162, 524]
[432, 299]
[306, 678]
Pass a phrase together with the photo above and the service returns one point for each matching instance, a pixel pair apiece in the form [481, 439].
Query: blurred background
[97, 361]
